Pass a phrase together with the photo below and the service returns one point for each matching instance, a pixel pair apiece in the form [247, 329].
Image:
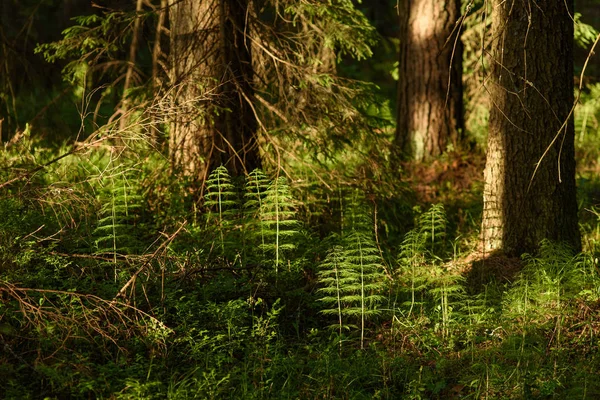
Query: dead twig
[160, 248]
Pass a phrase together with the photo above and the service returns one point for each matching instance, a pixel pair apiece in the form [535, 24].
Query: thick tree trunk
[212, 122]
[430, 104]
[236, 145]
[529, 192]
[194, 32]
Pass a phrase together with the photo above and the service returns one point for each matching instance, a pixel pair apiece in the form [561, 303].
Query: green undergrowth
[109, 290]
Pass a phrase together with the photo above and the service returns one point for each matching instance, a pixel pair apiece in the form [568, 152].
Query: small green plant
[116, 231]
[274, 218]
[548, 282]
[221, 199]
[334, 274]
[422, 271]
[418, 251]
[352, 275]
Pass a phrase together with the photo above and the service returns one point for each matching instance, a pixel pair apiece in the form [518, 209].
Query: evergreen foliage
[310, 279]
[585, 34]
[246, 331]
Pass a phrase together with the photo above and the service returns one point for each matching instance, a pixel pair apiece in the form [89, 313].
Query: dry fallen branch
[162, 248]
[67, 315]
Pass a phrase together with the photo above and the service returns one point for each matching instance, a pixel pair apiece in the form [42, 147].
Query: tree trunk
[133, 48]
[212, 122]
[236, 145]
[530, 192]
[430, 105]
[194, 32]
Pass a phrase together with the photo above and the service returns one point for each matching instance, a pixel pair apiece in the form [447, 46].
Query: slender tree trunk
[158, 62]
[133, 48]
[157, 51]
[529, 192]
[430, 104]
[213, 122]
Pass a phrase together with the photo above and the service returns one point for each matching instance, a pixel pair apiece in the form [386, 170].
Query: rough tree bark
[430, 104]
[236, 145]
[212, 122]
[529, 192]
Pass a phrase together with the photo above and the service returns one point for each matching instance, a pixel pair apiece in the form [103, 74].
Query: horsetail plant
[278, 223]
[256, 188]
[352, 275]
[121, 204]
[222, 202]
[333, 276]
[421, 269]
